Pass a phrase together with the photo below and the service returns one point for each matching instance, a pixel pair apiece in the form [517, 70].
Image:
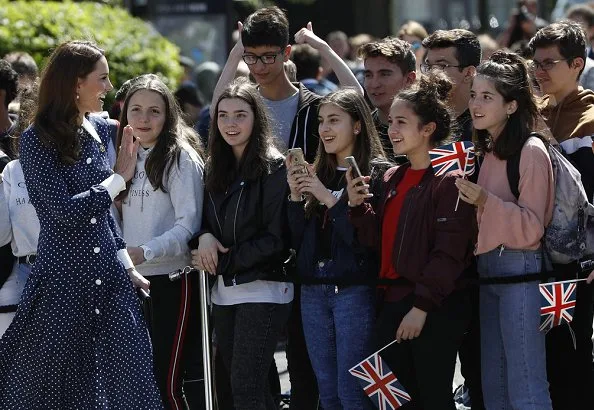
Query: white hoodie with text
[164, 221]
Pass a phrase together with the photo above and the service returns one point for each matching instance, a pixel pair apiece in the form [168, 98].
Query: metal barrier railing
[205, 330]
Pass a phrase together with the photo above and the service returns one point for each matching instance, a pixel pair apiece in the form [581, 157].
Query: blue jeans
[338, 327]
[513, 355]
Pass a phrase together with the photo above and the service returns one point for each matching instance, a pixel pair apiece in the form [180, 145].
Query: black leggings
[247, 335]
[425, 365]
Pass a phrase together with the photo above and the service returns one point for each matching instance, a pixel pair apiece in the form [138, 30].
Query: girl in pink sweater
[512, 348]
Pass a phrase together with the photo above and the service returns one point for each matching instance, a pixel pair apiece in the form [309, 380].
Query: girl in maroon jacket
[425, 244]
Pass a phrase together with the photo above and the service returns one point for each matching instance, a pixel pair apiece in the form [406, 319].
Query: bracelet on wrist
[299, 200]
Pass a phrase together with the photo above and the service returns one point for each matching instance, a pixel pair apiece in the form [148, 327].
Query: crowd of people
[250, 180]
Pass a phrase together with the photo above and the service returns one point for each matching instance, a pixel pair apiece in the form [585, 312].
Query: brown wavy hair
[174, 137]
[221, 167]
[367, 146]
[57, 115]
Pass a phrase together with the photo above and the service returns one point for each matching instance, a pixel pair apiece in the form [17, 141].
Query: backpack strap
[513, 168]
[513, 173]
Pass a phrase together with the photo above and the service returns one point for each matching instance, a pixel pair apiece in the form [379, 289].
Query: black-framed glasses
[425, 68]
[251, 59]
[546, 65]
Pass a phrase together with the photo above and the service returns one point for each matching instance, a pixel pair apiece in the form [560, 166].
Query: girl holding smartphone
[338, 318]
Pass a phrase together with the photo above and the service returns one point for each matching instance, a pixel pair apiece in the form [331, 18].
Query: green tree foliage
[132, 46]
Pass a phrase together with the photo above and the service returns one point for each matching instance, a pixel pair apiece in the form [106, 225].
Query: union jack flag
[453, 157]
[379, 383]
[557, 303]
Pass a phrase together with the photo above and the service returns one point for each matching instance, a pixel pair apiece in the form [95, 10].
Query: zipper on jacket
[236, 210]
[214, 207]
[234, 280]
[336, 290]
[404, 230]
[295, 135]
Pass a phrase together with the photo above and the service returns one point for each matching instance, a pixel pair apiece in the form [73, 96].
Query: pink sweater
[505, 221]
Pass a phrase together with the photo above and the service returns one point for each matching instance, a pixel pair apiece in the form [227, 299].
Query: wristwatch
[148, 253]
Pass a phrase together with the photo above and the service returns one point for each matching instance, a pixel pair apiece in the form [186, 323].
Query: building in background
[200, 28]
[203, 28]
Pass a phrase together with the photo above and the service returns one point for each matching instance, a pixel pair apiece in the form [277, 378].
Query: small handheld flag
[379, 383]
[557, 303]
[457, 156]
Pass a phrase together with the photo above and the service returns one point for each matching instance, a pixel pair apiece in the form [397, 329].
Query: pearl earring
[77, 97]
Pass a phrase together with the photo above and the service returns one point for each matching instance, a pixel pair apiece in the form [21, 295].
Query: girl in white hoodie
[161, 208]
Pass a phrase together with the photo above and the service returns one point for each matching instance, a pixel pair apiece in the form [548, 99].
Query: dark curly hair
[428, 98]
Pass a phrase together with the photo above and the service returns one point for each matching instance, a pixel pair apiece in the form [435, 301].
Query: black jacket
[304, 131]
[250, 220]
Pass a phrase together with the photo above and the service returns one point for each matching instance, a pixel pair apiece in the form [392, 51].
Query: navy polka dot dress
[78, 340]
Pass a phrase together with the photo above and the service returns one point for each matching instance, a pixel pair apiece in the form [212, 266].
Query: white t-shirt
[258, 291]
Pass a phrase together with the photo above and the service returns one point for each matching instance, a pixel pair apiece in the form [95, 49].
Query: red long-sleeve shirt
[392, 211]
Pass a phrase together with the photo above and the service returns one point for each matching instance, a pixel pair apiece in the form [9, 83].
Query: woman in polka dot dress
[78, 340]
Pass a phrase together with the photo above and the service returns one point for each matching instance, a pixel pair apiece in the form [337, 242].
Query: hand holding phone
[353, 164]
[296, 158]
[359, 192]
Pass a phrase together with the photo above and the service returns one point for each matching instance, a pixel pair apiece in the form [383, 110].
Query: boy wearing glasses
[559, 52]
[264, 47]
[389, 66]
[457, 53]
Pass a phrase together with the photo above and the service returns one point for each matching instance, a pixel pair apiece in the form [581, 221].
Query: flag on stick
[380, 383]
[457, 156]
[557, 303]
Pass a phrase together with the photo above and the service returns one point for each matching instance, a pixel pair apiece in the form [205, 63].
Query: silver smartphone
[353, 164]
